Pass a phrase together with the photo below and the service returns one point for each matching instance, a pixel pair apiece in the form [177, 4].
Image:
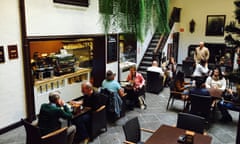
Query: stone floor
[154, 116]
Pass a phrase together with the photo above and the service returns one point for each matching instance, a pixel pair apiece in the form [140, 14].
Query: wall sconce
[192, 26]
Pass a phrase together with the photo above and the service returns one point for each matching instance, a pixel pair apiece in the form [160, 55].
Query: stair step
[155, 40]
[147, 62]
[145, 58]
[143, 67]
[151, 48]
[153, 45]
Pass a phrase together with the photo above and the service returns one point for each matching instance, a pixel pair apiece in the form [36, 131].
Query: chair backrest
[191, 122]
[98, 121]
[32, 132]
[132, 130]
[34, 135]
[173, 93]
[108, 98]
[154, 82]
[200, 105]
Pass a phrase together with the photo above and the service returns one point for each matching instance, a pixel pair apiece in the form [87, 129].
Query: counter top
[76, 73]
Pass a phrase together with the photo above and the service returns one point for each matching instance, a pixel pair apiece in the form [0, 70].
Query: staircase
[148, 56]
[156, 45]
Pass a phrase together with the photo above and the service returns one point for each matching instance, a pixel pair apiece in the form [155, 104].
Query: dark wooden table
[169, 135]
[80, 112]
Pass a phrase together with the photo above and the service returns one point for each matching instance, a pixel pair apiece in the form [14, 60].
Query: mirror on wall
[128, 48]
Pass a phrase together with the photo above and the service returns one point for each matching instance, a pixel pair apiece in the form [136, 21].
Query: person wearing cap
[51, 112]
[201, 53]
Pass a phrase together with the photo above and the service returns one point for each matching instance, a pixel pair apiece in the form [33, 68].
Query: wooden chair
[132, 131]
[154, 82]
[174, 95]
[191, 122]
[98, 121]
[34, 136]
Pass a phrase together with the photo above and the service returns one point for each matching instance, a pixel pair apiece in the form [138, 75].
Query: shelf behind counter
[69, 86]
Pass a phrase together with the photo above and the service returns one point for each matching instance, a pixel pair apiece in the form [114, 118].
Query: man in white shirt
[156, 68]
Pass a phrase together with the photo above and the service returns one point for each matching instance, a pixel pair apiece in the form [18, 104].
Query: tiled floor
[155, 115]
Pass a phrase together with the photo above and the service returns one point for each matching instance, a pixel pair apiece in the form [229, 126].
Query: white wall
[47, 18]
[12, 95]
[43, 18]
[198, 10]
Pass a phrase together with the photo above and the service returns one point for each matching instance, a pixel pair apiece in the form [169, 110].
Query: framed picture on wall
[12, 52]
[2, 59]
[215, 25]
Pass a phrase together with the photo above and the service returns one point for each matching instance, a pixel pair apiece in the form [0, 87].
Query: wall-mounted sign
[112, 49]
[12, 51]
[2, 59]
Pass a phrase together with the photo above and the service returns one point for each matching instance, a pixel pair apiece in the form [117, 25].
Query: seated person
[223, 105]
[199, 88]
[216, 80]
[201, 69]
[113, 86]
[90, 99]
[170, 71]
[179, 85]
[137, 92]
[51, 112]
[155, 68]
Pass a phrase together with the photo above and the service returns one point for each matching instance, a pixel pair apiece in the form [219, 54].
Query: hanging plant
[134, 16]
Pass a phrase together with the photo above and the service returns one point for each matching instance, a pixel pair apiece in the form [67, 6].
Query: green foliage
[134, 16]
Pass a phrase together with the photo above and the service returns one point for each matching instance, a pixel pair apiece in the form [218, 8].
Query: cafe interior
[57, 45]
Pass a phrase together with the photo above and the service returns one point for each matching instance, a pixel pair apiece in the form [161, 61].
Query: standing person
[51, 112]
[137, 93]
[90, 99]
[201, 53]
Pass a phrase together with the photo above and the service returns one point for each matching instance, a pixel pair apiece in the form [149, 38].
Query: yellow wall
[198, 10]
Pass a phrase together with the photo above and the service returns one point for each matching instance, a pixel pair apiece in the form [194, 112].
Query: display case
[82, 49]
